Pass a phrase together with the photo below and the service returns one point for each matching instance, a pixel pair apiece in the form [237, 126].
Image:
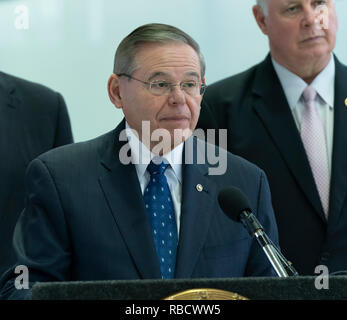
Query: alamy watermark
[322, 17]
[322, 280]
[22, 280]
[21, 17]
[162, 141]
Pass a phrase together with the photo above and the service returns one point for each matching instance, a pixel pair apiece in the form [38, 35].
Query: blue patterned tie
[161, 214]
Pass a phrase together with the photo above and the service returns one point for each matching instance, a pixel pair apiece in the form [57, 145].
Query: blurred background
[69, 45]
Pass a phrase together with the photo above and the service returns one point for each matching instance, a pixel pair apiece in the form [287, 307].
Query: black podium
[294, 288]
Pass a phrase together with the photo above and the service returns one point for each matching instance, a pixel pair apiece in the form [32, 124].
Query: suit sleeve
[41, 239]
[63, 134]
[258, 265]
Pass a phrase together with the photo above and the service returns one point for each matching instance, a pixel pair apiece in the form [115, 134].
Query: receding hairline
[161, 34]
[153, 45]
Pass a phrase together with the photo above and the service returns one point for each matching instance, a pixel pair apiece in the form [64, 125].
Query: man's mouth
[175, 118]
[312, 39]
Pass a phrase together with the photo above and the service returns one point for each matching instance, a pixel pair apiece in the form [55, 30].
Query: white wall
[69, 45]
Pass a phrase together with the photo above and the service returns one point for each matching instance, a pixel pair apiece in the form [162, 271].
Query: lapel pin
[199, 187]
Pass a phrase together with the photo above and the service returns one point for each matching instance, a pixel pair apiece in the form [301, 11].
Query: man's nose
[311, 14]
[177, 95]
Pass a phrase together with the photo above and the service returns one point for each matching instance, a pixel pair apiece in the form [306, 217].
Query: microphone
[236, 206]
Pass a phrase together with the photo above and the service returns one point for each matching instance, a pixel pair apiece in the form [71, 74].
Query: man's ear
[114, 91]
[260, 18]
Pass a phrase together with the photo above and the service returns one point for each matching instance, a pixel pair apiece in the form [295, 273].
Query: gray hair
[125, 57]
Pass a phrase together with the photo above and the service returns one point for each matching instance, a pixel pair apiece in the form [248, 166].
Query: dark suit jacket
[33, 119]
[253, 107]
[85, 219]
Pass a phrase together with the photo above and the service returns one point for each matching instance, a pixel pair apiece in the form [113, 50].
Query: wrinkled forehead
[154, 58]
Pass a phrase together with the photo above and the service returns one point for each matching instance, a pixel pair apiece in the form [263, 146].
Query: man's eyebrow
[157, 74]
[193, 74]
[290, 2]
[164, 74]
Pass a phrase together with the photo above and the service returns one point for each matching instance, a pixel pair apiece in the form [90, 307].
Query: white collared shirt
[141, 156]
[324, 84]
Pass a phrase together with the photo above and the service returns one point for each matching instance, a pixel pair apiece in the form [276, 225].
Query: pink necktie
[313, 138]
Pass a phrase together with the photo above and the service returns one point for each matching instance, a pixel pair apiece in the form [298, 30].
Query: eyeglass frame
[202, 85]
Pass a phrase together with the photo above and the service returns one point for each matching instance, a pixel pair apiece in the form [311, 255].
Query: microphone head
[233, 201]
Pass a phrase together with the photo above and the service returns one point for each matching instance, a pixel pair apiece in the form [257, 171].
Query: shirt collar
[294, 86]
[141, 156]
[324, 83]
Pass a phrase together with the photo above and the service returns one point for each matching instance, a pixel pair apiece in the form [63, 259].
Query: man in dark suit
[264, 111]
[93, 207]
[33, 119]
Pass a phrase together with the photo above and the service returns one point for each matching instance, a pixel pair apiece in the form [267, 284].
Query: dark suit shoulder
[225, 89]
[77, 152]
[239, 162]
[240, 173]
[220, 95]
[235, 165]
[242, 168]
[339, 64]
[16, 82]
[30, 95]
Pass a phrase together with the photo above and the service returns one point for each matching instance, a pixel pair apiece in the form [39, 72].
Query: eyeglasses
[162, 87]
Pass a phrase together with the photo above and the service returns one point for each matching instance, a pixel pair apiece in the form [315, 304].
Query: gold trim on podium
[205, 294]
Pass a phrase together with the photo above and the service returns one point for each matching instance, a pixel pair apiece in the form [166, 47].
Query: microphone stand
[287, 264]
[281, 265]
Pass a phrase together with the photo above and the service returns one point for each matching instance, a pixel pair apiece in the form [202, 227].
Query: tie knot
[157, 169]
[309, 94]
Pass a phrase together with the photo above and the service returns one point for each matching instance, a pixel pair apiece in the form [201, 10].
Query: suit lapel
[196, 214]
[126, 204]
[339, 167]
[123, 194]
[272, 108]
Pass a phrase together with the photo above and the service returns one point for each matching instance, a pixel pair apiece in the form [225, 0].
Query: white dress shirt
[141, 156]
[324, 85]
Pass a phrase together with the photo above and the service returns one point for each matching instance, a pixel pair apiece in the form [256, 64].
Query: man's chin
[166, 139]
[180, 135]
